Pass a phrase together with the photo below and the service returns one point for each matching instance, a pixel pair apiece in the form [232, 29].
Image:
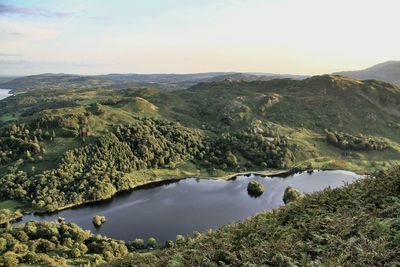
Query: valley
[78, 152]
[199, 133]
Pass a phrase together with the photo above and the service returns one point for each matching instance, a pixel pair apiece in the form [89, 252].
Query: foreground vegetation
[55, 244]
[357, 225]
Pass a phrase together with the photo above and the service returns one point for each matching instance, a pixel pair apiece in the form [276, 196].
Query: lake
[4, 93]
[182, 207]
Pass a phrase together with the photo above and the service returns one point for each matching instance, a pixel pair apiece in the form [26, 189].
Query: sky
[185, 36]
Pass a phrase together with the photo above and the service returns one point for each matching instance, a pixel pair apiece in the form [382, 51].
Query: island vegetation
[255, 188]
[98, 220]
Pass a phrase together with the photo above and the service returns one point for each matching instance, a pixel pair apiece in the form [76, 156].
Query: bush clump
[255, 188]
[98, 220]
[291, 194]
[151, 242]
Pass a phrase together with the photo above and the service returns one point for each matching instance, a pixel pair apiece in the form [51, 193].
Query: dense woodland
[7, 215]
[19, 141]
[87, 173]
[259, 149]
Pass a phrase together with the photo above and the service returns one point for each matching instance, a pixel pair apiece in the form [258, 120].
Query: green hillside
[63, 147]
[53, 142]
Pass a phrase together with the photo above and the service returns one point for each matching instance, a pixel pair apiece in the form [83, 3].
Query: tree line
[97, 171]
[356, 142]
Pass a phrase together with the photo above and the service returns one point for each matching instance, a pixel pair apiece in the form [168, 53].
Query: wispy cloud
[10, 55]
[25, 11]
[26, 30]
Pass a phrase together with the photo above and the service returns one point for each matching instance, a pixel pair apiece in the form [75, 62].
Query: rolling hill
[123, 81]
[62, 147]
[388, 71]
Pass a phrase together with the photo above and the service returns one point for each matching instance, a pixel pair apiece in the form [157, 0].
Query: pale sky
[183, 36]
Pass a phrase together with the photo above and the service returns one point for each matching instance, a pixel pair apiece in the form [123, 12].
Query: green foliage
[19, 141]
[98, 220]
[151, 242]
[169, 244]
[291, 194]
[255, 188]
[71, 146]
[266, 149]
[158, 143]
[50, 243]
[7, 215]
[356, 142]
[136, 244]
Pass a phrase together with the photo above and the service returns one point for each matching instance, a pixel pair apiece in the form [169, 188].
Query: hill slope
[54, 140]
[387, 71]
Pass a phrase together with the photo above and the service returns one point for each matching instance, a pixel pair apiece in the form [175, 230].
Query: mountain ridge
[122, 81]
[388, 71]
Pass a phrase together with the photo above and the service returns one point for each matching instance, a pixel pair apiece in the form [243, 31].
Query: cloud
[24, 30]
[24, 11]
[10, 55]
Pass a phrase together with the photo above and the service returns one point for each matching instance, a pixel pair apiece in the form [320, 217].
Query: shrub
[291, 194]
[138, 243]
[152, 242]
[180, 240]
[169, 244]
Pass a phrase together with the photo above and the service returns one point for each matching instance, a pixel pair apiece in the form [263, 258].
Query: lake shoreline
[159, 181]
[282, 173]
[196, 204]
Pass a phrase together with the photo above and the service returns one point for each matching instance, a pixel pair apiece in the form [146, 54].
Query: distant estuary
[4, 93]
[165, 210]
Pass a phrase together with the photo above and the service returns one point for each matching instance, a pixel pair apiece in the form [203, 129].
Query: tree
[152, 242]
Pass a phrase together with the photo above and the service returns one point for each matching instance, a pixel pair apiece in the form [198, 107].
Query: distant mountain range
[122, 81]
[388, 72]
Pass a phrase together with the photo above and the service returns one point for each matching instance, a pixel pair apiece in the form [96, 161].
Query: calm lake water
[189, 205]
[4, 93]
